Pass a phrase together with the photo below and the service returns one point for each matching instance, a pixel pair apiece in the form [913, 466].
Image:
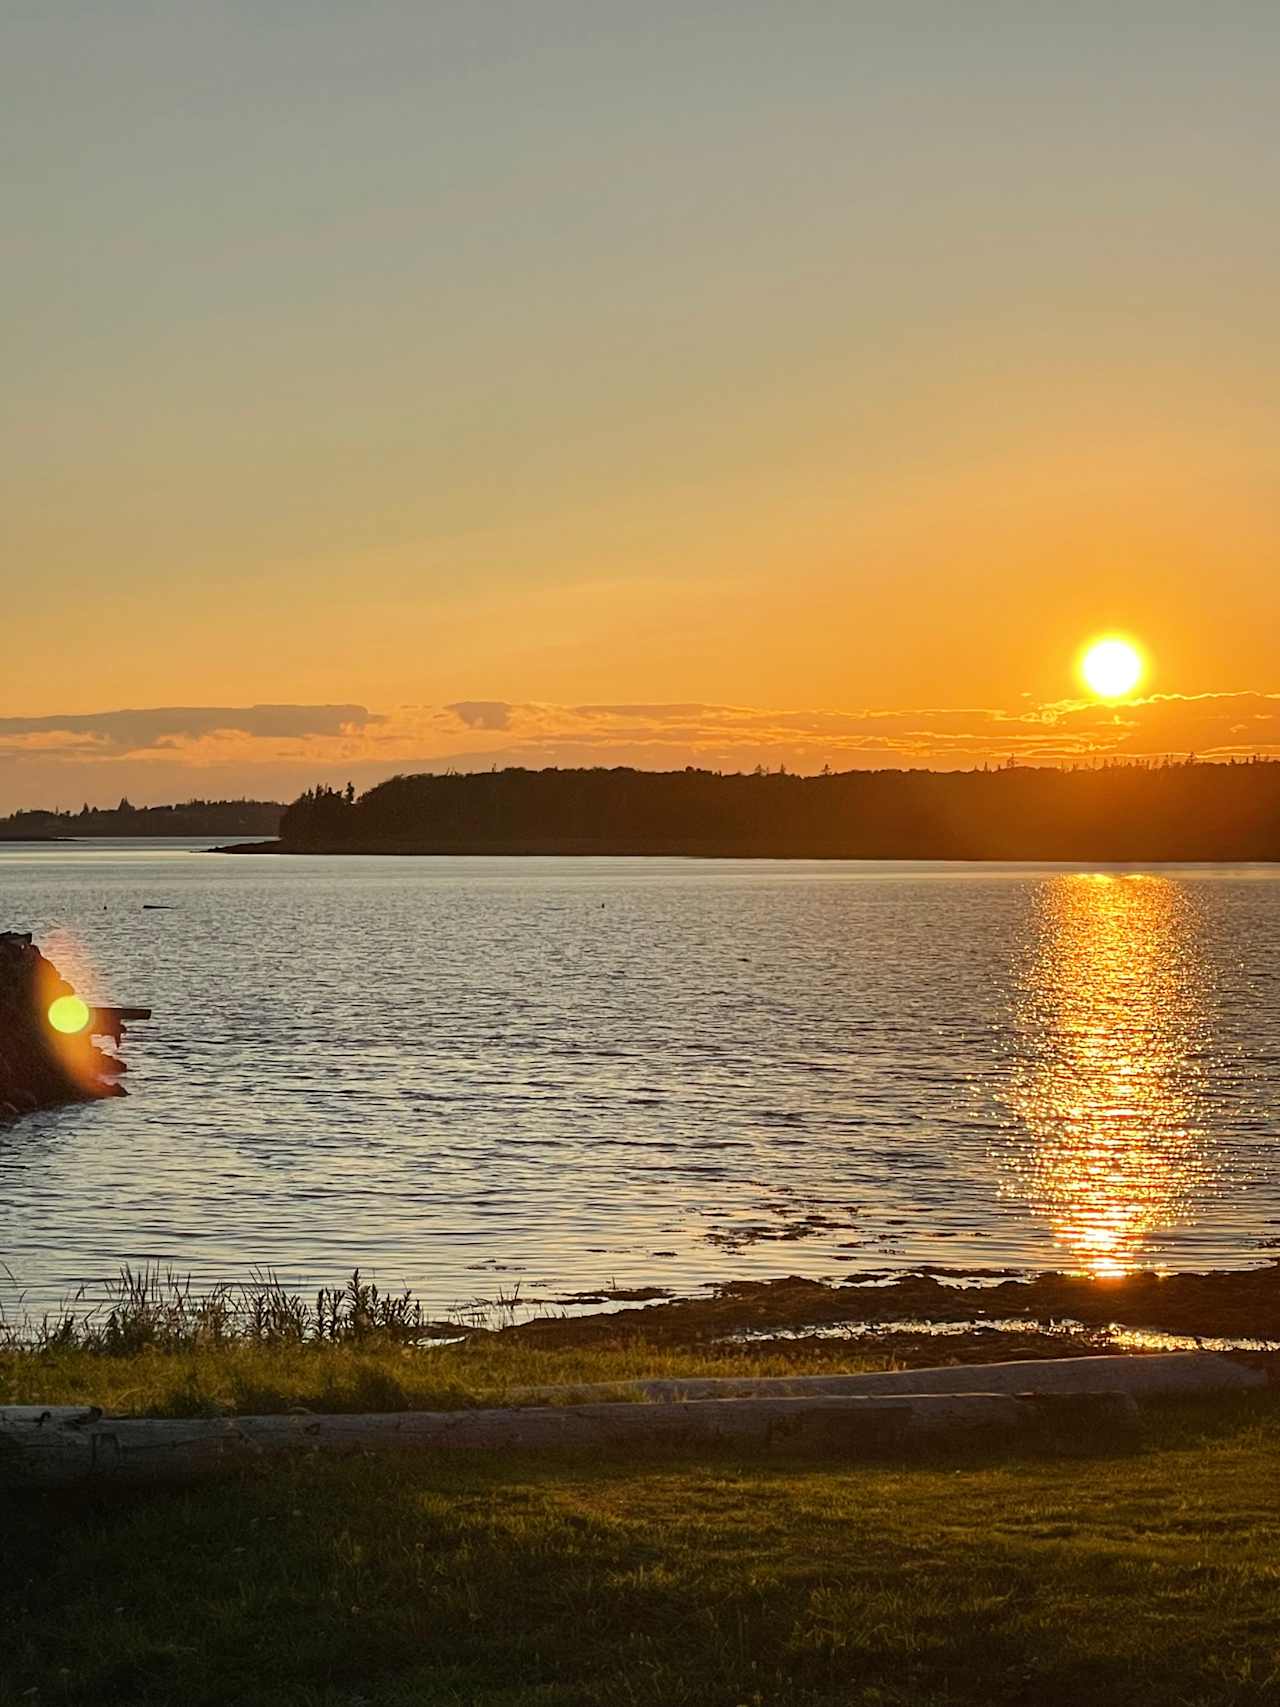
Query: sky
[404, 385]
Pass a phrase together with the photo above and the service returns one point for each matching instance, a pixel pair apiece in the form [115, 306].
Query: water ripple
[658, 1071]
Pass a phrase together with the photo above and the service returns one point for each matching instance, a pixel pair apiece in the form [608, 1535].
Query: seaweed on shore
[1241, 1304]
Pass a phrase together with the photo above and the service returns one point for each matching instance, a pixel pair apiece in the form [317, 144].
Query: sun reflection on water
[1109, 1140]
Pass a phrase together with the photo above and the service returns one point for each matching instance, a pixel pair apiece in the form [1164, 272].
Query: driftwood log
[1059, 1403]
[64, 1445]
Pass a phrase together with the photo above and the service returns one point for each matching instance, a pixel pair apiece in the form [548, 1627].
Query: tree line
[1118, 812]
[189, 818]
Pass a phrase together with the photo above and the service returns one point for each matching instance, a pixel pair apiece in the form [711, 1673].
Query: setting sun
[1111, 668]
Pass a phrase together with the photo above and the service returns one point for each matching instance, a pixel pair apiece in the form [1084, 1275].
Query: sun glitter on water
[1111, 1143]
[1111, 667]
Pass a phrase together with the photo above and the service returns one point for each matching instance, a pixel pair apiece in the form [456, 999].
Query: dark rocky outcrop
[41, 1067]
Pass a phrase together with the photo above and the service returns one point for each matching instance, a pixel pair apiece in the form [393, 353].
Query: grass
[1142, 1576]
[250, 1379]
[156, 1347]
[155, 1308]
[1143, 1579]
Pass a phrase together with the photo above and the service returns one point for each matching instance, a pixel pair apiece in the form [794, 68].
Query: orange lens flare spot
[68, 1015]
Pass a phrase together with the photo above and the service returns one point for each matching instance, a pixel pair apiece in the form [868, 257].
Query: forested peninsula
[1113, 813]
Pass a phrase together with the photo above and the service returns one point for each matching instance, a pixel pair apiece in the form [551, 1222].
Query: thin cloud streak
[131, 731]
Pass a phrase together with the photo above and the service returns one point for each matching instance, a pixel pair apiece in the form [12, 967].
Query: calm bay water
[464, 1073]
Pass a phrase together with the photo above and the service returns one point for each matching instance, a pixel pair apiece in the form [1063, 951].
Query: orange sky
[275, 751]
[826, 359]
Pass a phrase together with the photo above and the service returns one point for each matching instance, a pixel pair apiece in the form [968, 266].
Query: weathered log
[1149, 1374]
[51, 1447]
[856, 1415]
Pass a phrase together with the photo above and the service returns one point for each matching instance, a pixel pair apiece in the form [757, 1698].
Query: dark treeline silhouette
[191, 818]
[1117, 812]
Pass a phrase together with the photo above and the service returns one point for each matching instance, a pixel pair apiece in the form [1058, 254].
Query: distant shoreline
[107, 836]
[686, 850]
[190, 818]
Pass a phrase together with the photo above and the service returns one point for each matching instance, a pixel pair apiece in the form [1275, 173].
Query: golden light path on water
[1113, 1024]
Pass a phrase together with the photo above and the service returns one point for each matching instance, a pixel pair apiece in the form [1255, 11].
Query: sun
[1111, 667]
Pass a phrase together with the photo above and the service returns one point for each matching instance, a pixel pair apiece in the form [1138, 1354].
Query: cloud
[1213, 725]
[130, 731]
[276, 750]
[482, 713]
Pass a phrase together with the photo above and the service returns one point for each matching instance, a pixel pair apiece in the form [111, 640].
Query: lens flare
[69, 1015]
[1111, 667]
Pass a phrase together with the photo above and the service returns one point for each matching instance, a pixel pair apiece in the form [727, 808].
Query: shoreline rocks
[40, 1065]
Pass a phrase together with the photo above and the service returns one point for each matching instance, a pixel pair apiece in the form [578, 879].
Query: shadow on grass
[1131, 1573]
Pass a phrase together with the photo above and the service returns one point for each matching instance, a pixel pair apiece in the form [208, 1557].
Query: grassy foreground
[1144, 1577]
[245, 1378]
[1130, 1575]
[1135, 1577]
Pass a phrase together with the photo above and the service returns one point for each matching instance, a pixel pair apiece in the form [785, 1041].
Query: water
[467, 1073]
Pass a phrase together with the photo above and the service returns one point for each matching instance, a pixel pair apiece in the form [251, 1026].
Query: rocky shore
[1239, 1304]
[48, 1049]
